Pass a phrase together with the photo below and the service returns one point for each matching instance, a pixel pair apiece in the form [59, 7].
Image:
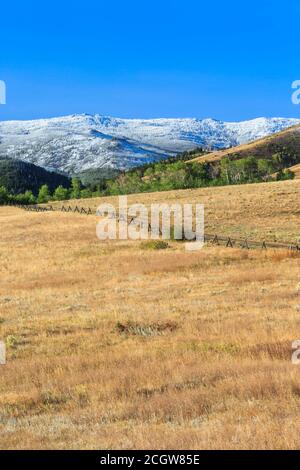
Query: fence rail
[214, 239]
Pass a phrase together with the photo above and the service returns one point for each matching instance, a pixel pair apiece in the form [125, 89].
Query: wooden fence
[214, 239]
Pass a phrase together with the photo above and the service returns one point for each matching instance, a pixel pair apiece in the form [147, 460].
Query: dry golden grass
[296, 170]
[264, 211]
[111, 345]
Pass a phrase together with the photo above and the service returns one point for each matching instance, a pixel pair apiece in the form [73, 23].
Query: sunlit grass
[111, 345]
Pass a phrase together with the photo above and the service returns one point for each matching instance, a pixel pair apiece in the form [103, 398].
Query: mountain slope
[296, 170]
[285, 144]
[75, 143]
[18, 176]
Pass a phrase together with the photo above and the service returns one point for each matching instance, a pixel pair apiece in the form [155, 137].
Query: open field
[264, 211]
[111, 345]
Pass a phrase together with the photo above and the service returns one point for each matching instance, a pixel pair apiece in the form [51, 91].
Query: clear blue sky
[228, 60]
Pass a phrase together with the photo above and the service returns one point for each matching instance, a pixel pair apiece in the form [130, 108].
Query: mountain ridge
[74, 143]
[286, 141]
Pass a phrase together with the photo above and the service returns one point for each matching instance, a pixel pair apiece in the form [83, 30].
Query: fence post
[245, 244]
[216, 240]
[229, 243]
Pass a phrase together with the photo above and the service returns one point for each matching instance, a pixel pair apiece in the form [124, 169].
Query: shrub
[155, 245]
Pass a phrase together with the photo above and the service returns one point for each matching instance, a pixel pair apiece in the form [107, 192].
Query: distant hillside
[96, 176]
[285, 146]
[75, 143]
[18, 176]
[276, 157]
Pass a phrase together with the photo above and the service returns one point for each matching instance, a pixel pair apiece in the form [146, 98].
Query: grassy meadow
[116, 345]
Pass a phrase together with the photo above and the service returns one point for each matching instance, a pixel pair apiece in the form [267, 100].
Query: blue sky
[161, 58]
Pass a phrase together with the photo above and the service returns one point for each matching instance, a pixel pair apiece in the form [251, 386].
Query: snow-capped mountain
[75, 143]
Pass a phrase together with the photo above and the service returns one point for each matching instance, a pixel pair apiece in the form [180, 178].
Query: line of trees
[76, 191]
[163, 176]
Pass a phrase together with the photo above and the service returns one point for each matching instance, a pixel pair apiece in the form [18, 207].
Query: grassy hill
[18, 176]
[296, 170]
[285, 143]
[263, 160]
[264, 211]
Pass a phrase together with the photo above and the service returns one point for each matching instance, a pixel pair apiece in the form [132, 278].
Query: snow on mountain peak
[81, 141]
